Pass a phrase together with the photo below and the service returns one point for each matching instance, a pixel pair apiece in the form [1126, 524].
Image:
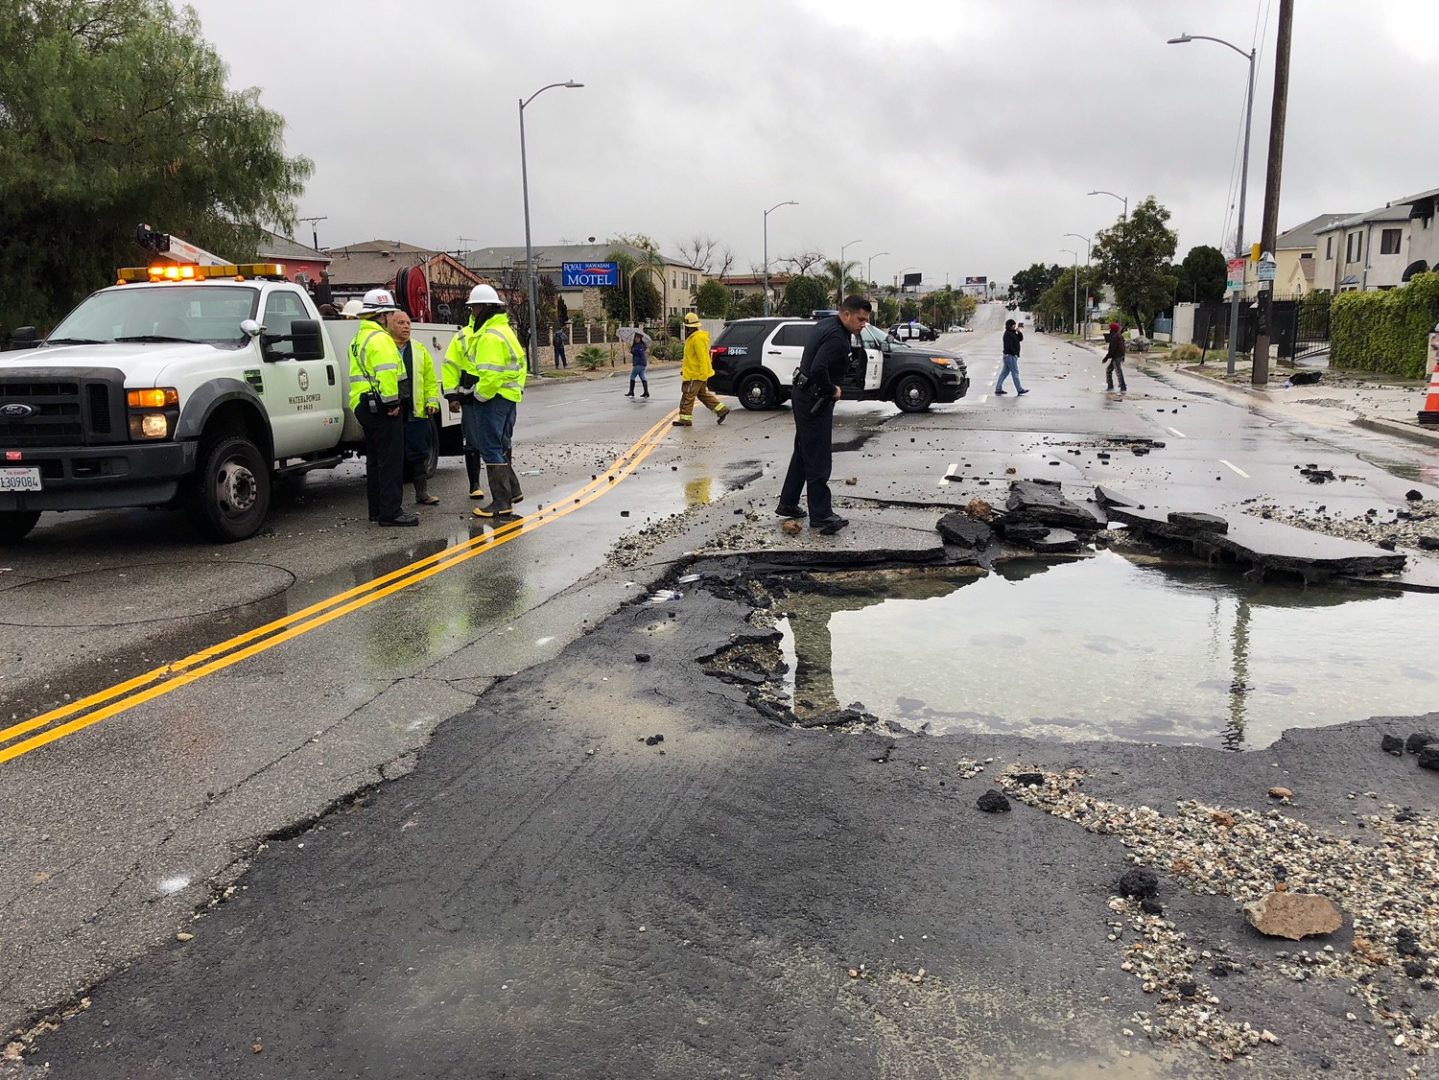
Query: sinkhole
[1117, 646]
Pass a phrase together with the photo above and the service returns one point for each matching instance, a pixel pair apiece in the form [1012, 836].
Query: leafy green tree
[804, 294]
[749, 306]
[1027, 286]
[713, 300]
[1057, 306]
[1133, 256]
[1202, 275]
[908, 310]
[113, 113]
[648, 304]
[888, 312]
[842, 279]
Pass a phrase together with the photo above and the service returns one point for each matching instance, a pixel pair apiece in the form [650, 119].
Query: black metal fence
[1299, 326]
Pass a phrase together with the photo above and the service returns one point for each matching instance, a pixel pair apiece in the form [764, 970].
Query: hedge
[1385, 331]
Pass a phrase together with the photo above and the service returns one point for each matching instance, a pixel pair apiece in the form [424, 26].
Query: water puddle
[1110, 647]
[1416, 472]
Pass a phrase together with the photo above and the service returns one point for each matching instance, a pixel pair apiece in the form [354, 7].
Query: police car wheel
[16, 524]
[229, 494]
[758, 392]
[914, 393]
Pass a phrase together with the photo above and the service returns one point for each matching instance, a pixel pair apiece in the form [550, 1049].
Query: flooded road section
[1114, 646]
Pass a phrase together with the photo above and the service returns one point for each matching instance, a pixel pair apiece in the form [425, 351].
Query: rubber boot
[499, 493]
[646, 384]
[422, 488]
[516, 495]
[472, 470]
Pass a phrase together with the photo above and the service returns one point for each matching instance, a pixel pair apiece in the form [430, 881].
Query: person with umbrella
[639, 343]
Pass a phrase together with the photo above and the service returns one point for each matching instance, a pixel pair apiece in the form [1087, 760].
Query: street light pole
[529, 251]
[1086, 274]
[1122, 198]
[1184, 39]
[869, 267]
[776, 206]
[1076, 285]
[839, 277]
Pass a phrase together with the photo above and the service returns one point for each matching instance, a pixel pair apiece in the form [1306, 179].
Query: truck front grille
[43, 410]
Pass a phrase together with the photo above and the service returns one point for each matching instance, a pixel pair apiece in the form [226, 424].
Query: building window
[1353, 247]
[1329, 247]
[1389, 242]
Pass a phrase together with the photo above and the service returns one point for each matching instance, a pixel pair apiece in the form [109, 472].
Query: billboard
[590, 275]
[976, 282]
[912, 280]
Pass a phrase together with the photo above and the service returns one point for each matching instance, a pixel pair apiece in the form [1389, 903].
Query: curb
[1400, 429]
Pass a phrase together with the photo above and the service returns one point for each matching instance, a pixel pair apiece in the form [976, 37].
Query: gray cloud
[959, 136]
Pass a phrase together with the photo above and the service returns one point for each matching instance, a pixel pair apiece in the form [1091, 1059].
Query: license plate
[20, 479]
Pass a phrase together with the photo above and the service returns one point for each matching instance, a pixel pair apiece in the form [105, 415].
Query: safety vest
[492, 355]
[374, 365]
[425, 386]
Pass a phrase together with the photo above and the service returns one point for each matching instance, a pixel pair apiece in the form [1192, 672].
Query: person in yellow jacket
[695, 375]
[419, 400]
[485, 372]
[375, 370]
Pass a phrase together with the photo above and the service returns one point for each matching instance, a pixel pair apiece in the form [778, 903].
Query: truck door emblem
[304, 380]
[16, 410]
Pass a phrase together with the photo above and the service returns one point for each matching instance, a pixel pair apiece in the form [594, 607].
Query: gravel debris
[1419, 519]
[1388, 884]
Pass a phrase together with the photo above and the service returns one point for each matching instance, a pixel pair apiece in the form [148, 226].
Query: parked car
[914, 331]
[755, 359]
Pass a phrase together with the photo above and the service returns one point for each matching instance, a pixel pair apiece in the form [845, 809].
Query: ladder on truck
[181, 251]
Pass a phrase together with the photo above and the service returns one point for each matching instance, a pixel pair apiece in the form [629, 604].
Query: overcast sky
[959, 136]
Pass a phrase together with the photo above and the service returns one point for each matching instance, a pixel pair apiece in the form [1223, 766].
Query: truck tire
[757, 391]
[16, 524]
[914, 393]
[229, 496]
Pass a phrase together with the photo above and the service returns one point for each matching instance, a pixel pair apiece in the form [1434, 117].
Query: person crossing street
[1114, 359]
[375, 400]
[695, 375]
[485, 372]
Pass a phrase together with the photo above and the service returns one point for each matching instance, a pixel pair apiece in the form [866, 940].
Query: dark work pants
[384, 462]
[417, 446]
[810, 464]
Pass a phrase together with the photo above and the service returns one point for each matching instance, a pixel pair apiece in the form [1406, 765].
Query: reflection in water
[1109, 648]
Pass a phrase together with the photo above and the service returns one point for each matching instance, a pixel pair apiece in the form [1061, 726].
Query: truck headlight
[154, 412]
[150, 425]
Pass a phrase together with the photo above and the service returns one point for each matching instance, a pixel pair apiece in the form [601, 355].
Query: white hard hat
[378, 300]
[483, 294]
[352, 308]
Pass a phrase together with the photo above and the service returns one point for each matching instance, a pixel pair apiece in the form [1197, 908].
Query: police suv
[188, 385]
[754, 359]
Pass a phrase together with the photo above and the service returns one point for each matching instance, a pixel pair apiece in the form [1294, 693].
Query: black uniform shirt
[826, 357]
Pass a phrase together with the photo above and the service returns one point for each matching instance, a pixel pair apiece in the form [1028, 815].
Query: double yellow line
[78, 715]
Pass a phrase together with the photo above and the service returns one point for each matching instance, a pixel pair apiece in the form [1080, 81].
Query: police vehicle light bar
[187, 272]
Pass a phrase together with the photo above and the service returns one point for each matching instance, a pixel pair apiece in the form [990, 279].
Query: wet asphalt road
[527, 854]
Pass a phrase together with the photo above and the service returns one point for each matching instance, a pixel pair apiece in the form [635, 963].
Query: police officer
[485, 372]
[375, 400]
[816, 389]
[419, 400]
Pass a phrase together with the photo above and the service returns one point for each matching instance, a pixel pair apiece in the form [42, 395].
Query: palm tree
[841, 275]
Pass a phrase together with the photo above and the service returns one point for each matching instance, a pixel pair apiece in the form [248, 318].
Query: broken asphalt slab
[873, 537]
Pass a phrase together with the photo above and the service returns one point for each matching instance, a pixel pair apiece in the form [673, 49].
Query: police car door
[866, 360]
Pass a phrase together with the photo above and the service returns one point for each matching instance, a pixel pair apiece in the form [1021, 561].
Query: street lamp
[525, 184]
[1086, 274]
[776, 206]
[839, 277]
[1184, 39]
[1122, 198]
[1076, 283]
[869, 267]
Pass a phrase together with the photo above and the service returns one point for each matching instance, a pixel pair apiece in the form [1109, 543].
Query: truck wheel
[229, 495]
[914, 393]
[432, 463]
[15, 524]
[757, 392]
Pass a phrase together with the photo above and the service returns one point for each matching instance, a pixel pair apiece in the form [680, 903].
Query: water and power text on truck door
[187, 384]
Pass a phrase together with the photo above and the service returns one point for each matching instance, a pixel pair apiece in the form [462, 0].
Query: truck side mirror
[24, 337]
[306, 339]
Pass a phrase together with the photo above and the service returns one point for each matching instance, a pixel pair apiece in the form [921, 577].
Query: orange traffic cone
[1430, 413]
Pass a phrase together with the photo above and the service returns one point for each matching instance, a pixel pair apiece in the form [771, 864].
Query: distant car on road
[960, 330]
[913, 331]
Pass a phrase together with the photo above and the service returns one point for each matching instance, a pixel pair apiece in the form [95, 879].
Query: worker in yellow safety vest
[375, 370]
[695, 375]
[419, 401]
[485, 372]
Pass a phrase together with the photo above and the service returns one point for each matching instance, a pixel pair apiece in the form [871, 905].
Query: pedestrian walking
[695, 375]
[419, 400]
[1013, 336]
[1114, 359]
[560, 340]
[815, 390]
[375, 401]
[485, 372]
[639, 362]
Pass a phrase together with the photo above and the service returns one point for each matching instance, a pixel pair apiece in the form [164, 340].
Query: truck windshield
[207, 314]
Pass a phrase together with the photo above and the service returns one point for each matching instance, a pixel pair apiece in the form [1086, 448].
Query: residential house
[1423, 234]
[1294, 251]
[374, 264]
[1363, 252]
[675, 278]
[742, 285]
[303, 264]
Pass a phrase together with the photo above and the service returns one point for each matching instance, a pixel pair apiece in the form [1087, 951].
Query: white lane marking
[1176, 432]
[1235, 467]
[983, 398]
[948, 473]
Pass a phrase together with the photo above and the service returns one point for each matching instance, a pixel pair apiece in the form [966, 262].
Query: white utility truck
[194, 383]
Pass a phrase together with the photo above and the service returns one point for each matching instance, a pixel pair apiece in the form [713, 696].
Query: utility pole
[314, 230]
[1268, 235]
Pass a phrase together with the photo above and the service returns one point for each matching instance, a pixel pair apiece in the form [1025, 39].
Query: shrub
[592, 357]
[669, 349]
[1187, 353]
[1385, 331]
